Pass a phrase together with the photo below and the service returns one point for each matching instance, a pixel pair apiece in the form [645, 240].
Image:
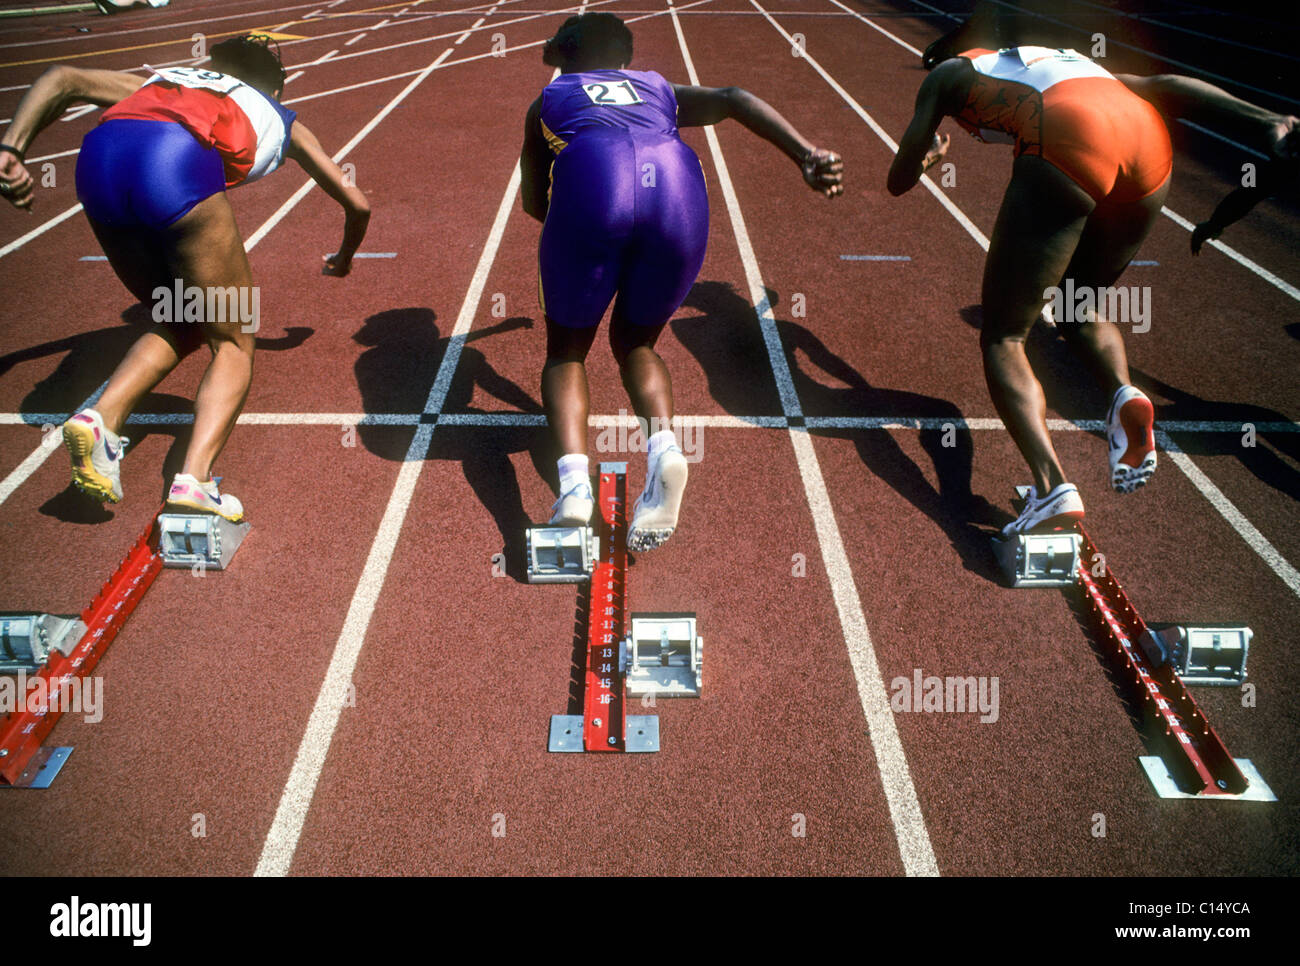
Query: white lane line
[93, 258]
[355, 39]
[295, 802]
[357, 138]
[51, 157]
[36, 232]
[1145, 263]
[49, 443]
[321, 60]
[904, 807]
[1278, 283]
[710, 420]
[294, 76]
[875, 258]
[374, 255]
[465, 36]
[1236, 519]
[1225, 140]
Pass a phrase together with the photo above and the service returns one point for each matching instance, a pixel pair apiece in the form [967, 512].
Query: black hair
[251, 59]
[589, 41]
[994, 26]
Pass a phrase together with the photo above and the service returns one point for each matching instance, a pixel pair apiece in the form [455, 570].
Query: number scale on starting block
[605, 725]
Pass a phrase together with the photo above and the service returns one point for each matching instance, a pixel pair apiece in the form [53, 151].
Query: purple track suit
[628, 210]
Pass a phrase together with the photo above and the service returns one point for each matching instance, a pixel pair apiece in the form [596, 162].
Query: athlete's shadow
[1071, 392]
[730, 364]
[395, 377]
[88, 359]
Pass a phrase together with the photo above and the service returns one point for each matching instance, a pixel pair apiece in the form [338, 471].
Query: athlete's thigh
[1112, 236]
[138, 257]
[588, 223]
[206, 252]
[1042, 217]
[671, 236]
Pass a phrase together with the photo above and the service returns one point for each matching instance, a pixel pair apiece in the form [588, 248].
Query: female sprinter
[1091, 173]
[152, 178]
[626, 219]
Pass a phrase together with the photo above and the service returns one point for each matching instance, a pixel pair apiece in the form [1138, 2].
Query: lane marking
[1236, 519]
[295, 802]
[93, 258]
[49, 443]
[294, 76]
[1187, 427]
[875, 258]
[1146, 263]
[1278, 283]
[904, 807]
[355, 39]
[1225, 140]
[36, 232]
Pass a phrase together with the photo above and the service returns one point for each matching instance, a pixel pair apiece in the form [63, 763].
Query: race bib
[208, 80]
[621, 94]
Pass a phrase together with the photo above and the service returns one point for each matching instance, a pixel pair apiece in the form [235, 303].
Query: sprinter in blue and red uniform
[153, 177]
[626, 219]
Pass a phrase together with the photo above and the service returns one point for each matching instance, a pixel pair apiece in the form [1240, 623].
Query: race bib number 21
[622, 94]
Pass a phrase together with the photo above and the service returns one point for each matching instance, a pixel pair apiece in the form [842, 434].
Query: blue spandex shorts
[145, 174]
[628, 214]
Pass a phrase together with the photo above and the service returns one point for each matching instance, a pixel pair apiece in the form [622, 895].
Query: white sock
[659, 442]
[574, 471]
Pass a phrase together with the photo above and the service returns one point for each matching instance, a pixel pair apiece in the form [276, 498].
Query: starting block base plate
[43, 768]
[642, 733]
[1166, 787]
[1038, 559]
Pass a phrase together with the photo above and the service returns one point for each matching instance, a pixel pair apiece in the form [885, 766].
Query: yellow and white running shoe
[96, 456]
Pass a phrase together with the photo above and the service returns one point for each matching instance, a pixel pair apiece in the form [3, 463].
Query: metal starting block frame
[561, 555]
[605, 725]
[26, 640]
[23, 762]
[1038, 559]
[1195, 762]
[663, 656]
[202, 540]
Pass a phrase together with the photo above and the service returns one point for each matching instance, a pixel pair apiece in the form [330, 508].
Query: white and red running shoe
[654, 517]
[188, 492]
[96, 456]
[1130, 437]
[1056, 511]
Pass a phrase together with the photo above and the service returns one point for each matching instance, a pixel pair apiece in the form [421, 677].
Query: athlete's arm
[1194, 100]
[306, 150]
[702, 106]
[534, 165]
[52, 93]
[921, 148]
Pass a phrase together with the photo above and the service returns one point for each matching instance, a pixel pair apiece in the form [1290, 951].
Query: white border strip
[904, 808]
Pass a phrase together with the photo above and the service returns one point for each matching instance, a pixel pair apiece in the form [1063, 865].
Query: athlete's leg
[1038, 227]
[207, 252]
[1110, 239]
[139, 260]
[564, 384]
[645, 377]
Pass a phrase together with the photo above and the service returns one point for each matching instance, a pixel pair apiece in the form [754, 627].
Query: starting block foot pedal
[199, 539]
[26, 640]
[1039, 559]
[663, 656]
[1167, 787]
[561, 555]
[1206, 654]
[42, 768]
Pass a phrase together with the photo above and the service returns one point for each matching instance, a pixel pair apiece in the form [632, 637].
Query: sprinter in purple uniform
[625, 219]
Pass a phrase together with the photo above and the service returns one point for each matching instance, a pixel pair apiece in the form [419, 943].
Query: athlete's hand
[936, 153]
[336, 266]
[16, 185]
[824, 172]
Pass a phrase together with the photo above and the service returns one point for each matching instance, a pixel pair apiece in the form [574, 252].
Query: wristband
[18, 153]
